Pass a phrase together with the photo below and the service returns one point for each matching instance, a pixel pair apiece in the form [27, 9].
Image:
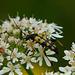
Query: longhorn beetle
[42, 40]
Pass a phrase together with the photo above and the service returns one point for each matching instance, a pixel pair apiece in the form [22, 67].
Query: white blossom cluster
[52, 73]
[70, 56]
[13, 49]
[68, 70]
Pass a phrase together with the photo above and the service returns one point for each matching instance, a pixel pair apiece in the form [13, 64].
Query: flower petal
[15, 50]
[49, 52]
[57, 35]
[40, 61]
[47, 61]
[29, 65]
[62, 69]
[18, 72]
[8, 57]
[9, 64]
[4, 70]
[14, 60]
[18, 66]
[11, 73]
[53, 59]
[33, 60]
[18, 55]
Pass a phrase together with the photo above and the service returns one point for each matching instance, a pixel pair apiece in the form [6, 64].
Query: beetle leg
[32, 51]
[47, 57]
[29, 43]
[42, 33]
[32, 47]
[32, 44]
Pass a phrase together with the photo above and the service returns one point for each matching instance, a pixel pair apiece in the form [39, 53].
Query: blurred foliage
[61, 12]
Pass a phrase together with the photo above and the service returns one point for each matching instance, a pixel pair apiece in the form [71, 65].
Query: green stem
[28, 71]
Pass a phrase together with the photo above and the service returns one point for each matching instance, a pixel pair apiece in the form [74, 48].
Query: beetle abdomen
[44, 42]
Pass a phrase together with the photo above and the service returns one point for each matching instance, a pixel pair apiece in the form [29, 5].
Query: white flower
[24, 21]
[1, 60]
[51, 31]
[34, 21]
[2, 29]
[42, 28]
[11, 39]
[34, 26]
[14, 55]
[54, 26]
[31, 45]
[28, 59]
[52, 73]
[1, 40]
[16, 32]
[73, 69]
[11, 69]
[6, 25]
[73, 46]
[54, 35]
[50, 28]
[4, 36]
[66, 70]
[17, 40]
[68, 55]
[42, 55]
[72, 62]
[49, 73]
[3, 46]
[9, 30]
[15, 21]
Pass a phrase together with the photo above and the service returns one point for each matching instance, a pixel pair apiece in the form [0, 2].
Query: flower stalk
[28, 70]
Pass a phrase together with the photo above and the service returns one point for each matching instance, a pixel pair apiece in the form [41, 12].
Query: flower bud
[9, 30]
[4, 36]
[16, 31]
[11, 39]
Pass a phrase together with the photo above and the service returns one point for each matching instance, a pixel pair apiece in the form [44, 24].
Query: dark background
[61, 12]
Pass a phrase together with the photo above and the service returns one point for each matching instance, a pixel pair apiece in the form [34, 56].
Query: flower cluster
[70, 56]
[15, 50]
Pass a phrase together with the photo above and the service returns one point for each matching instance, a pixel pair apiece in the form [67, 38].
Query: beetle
[42, 40]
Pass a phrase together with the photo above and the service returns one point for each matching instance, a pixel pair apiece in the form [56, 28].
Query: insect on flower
[42, 40]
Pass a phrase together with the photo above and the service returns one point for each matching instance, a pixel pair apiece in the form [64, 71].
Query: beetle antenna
[15, 23]
[18, 27]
